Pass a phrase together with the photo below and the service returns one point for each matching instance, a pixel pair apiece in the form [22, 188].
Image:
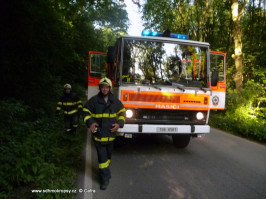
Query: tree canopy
[213, 21]
[44, 43]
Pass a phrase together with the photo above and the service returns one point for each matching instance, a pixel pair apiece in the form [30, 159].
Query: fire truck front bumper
[164, 129]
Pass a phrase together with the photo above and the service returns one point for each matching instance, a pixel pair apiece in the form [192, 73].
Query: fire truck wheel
[119, 142]
[181, 141]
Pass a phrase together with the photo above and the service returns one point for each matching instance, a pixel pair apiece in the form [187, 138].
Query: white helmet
[105, 81]
[67, 86]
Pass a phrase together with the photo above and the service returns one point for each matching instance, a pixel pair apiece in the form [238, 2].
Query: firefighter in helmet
[72, 107]
[104, 114]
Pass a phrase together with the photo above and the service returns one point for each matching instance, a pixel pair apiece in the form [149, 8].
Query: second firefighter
[72, 107]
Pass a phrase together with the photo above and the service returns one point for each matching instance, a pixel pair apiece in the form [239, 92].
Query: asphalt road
[219, 165]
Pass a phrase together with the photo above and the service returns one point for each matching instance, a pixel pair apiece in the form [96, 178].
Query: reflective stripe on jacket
[70, 104]
[105, 114]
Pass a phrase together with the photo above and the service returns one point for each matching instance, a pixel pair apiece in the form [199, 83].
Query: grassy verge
[36, 154]
[245, 113]
[232, 122]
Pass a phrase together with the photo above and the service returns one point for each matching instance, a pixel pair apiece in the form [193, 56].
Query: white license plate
[128, 135]
[167, 130]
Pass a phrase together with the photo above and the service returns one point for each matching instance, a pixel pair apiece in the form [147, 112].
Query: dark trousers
[71, 123]
[104, 152]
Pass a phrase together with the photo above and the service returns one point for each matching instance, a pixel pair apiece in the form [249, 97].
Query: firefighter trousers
[71, 123]
[104, 152]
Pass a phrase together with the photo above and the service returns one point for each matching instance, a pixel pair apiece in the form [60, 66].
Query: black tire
[120, 141]
[181, 141]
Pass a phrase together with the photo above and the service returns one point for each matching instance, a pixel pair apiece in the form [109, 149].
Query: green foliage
[108, 37]
[201, 20]
[236, 124]
[35, 153]
[245, 112]
[254, 43]
[45, 44]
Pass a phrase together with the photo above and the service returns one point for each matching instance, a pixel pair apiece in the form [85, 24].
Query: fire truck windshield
[162, 63]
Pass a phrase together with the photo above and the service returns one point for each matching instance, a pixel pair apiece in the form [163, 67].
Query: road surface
[219, 165]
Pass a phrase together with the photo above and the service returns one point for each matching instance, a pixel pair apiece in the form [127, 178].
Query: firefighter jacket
[105, 114]
[70, 103]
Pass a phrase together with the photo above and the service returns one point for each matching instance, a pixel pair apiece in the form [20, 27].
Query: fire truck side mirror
[214, 77]
[111, 54]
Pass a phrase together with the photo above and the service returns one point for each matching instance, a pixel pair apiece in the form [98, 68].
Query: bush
[244, 114]
[35, 154]
[246, 128]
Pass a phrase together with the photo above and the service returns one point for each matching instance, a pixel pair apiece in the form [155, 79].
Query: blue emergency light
[146, 33]
[160, 34]
[179, 36]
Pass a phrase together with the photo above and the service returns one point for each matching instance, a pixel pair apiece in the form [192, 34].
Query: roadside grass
[245, 127]
[245, 113]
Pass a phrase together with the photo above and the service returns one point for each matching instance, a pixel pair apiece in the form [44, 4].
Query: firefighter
[72, 107]
[104, 114]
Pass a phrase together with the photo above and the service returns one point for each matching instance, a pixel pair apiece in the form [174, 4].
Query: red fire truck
[167, 84]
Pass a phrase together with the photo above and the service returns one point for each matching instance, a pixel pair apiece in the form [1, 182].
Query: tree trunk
[206, 20]
[237, 35]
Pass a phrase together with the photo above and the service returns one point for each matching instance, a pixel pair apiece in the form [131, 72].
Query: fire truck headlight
[199, 116]
[129, 113]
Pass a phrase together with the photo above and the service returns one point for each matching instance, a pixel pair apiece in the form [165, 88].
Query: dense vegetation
[35, 153]
[44, 44]
[236, 27]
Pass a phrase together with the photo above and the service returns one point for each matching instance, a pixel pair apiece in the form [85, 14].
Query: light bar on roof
[160, 34]
[146, 33]
[179, 36]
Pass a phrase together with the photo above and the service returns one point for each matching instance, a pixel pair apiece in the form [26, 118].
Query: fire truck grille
[154, 98]
[149, 116]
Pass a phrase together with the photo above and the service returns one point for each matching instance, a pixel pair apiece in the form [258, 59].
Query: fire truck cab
[167, 84]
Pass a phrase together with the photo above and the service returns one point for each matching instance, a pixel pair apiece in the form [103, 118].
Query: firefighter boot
[104, 185]
[74, 129]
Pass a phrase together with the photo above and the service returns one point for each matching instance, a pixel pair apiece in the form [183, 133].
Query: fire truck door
[218, 82]
[97, 69]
